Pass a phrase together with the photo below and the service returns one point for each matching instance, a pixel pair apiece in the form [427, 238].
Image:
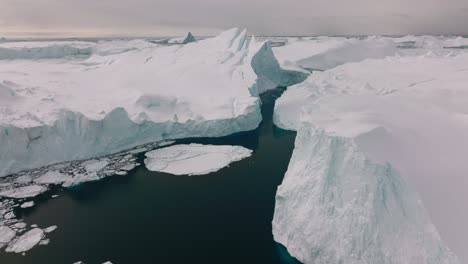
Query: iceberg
[337, 206]
[370, 135]
[326, 53]
[183, 40]
[62, 107]
[194, 159]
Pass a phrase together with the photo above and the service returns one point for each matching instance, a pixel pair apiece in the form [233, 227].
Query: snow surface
[61, 109]
[408, 111]
[327, 53]
[183, 40]
[194, 159]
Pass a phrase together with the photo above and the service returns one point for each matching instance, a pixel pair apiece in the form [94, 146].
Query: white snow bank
[337, 206]
[27, 241]
[182, 40]
[58, 110]
[327, 53]
[194, 159]
[411, 112]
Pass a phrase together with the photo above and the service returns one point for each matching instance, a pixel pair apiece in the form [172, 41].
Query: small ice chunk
[50, 229]
[95, 165]
[194, 159]
[6, 235]
[34, 225]
[121, 173]
[24, 192]
[53, 177]
[44, 242]
[9, 215]
[27, 204]
[23, 179]
[27, 241]
[128, 167]
[107, 262]
[20, 225]
[55, 196]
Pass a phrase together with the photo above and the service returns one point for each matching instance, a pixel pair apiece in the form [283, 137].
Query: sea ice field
[306, 150]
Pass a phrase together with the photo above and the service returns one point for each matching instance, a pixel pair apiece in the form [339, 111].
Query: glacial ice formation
[183, 40]
[337, 206]
[338, 201]
[194, 159]
[327, 53]
[64, 107]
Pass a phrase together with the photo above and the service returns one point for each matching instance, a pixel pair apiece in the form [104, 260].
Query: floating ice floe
[183, 40]
[360, 126]
[208, 88]
[6, 235]
[27, 204]
[327, 53]
[27, 241]
[23, 192]
[194, 159]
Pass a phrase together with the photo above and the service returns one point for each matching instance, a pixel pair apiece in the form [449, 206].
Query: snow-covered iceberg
[194, 159]
[339, 201]
[327, 53]
[81, 108]
[182, 40]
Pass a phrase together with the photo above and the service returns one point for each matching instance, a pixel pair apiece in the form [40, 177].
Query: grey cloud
[262, 17]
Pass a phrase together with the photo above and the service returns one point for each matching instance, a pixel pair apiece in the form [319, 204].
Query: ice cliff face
[67, 109]
[337, 206]
[338, 202]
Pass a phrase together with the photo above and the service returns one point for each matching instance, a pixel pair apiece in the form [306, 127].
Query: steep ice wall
[337, 206]
[76, 109]
[327, 53]
[408, 111]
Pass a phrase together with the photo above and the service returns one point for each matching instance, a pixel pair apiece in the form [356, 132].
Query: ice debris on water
[15, 189]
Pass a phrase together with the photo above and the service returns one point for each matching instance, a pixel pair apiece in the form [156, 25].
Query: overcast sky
[64, 18]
